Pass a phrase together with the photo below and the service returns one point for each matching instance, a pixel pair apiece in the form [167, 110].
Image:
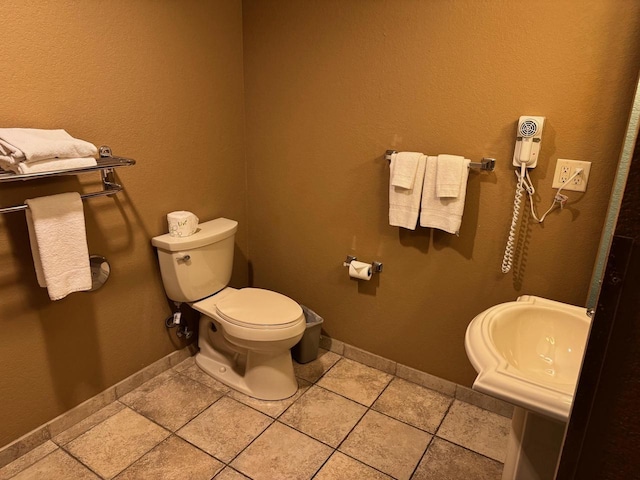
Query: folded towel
[404, 171]
[48, 165]
[33, 144]
[442, 213]
[450, 170]
[404, 203]
[59, 243]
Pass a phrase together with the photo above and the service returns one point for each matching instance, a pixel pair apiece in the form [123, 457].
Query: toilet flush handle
[183, 257]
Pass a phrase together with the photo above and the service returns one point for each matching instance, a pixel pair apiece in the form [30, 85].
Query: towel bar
[106, 164]
[488, 164]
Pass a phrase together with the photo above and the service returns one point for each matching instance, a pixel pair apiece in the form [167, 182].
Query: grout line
[443, 417]
[175, 434]
[469, 450]
[323, 464]
[433, 437]
[369, 408]
[82, 463]
[294, 402]
[248, 445]
[415, 469]
[363, 463]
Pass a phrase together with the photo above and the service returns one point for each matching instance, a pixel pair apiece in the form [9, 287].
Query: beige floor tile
[88, 423]
[312, 371]
[282, 453]
[26, 460]
[194, 372]
[173, 459]
[323, 415]
[476, 429]
[57, 465]
[386, 444]
[342, 467]
[111, 446]
[225, 428]
[413, 404]
[355, 381]
[230, 474]
[446, 461]
[173, 402]
[273, 408]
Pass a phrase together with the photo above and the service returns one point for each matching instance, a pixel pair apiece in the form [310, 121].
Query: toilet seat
[258, 308]
[254, 314]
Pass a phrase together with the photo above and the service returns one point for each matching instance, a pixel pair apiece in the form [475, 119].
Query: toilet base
[261, 376]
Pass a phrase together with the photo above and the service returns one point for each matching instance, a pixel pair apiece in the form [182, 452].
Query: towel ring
[100, 271]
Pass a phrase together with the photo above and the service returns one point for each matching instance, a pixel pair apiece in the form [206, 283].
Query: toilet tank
[199, 265]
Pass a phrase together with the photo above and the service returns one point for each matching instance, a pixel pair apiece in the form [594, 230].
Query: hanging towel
[33, 144]
[59, 243]
[404, 203]
[48, 165]
[442, 213]
[450, 170]
[404, 171]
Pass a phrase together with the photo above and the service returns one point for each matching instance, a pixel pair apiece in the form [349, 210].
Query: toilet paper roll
[360, 270]
[182, 223]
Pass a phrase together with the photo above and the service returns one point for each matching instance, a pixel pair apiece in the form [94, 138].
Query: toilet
[245, 335]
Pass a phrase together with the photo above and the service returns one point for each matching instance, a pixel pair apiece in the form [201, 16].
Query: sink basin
[529, 353]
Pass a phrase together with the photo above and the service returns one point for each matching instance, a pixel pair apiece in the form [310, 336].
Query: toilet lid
[258, 308]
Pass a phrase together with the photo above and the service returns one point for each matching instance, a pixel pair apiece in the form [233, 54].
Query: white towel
[442, 213]
[405, 168]
[450, 171]
[48, 165]
[33, 144]
[59, 243]
[404, 203]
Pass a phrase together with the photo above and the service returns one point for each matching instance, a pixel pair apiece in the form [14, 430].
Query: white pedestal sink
[529, 353]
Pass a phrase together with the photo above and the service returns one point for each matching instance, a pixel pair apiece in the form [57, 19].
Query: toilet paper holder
[376, 267]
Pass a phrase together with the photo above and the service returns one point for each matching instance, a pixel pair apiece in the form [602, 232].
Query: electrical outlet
[565, 170]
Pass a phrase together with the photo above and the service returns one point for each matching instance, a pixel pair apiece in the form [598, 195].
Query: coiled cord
[507, 260]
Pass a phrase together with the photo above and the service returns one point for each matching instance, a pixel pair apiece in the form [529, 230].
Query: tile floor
[347, 421]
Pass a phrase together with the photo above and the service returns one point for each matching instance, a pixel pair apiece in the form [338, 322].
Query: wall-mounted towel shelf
[106, 165]
[488, 164]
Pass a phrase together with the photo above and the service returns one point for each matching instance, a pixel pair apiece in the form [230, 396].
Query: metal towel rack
[106, 165]
[487, 164]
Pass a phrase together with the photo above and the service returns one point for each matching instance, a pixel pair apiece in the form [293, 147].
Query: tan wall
[330, 85]
[160, 82]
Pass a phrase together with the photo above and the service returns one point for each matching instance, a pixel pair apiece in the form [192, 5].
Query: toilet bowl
[245, 341]
[245, 335]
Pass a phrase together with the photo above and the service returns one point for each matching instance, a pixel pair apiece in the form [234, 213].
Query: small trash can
[306, 350]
